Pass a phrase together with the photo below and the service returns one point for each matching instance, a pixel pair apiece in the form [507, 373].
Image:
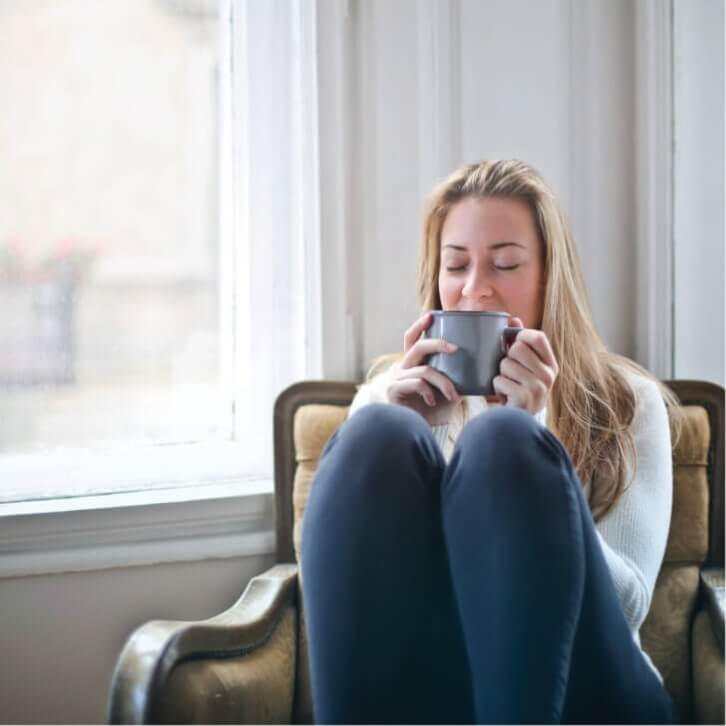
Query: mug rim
[472, 313]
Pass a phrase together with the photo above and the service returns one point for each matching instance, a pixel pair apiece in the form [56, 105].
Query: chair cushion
[688, 536]
[303, 708]
[314, 424]
[665, 632]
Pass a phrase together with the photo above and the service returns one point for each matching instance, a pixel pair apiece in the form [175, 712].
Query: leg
[385, 640]
[546, 637]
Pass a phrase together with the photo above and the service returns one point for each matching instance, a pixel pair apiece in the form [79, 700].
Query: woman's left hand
[528, 371]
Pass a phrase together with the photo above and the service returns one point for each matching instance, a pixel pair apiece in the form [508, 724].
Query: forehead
[492, 220]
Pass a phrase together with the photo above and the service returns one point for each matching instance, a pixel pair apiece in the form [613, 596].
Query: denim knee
[386, 439]
[500, 431]
[510, 447]
[383, 423]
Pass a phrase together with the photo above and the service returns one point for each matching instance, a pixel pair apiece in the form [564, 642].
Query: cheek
[449, 290]
[526, 296]
[511, 287]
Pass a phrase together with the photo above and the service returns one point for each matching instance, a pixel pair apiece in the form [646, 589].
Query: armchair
[249, 664]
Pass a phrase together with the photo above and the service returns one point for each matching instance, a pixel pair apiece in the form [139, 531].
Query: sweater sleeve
[633, 534]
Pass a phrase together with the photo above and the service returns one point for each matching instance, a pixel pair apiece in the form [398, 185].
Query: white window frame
[220, 514]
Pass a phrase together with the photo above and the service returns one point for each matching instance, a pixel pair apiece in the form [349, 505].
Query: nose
[477, 285]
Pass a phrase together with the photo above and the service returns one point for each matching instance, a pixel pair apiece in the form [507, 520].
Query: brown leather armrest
[714, 593]
[153, 651]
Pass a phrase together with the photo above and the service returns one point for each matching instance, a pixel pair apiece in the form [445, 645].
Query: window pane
[109, 225]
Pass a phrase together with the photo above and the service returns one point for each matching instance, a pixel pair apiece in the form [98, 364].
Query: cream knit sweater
[633, 534]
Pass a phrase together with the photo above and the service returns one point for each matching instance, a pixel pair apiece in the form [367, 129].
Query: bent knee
[383, 424]
[509, 445]
[501, 429]
[389, 447]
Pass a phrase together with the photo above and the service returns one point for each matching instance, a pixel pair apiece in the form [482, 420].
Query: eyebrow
[496, 246]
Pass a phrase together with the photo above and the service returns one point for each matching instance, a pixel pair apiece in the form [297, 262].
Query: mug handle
[509, 335]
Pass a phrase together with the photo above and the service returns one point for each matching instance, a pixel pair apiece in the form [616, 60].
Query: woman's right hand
[418, 386]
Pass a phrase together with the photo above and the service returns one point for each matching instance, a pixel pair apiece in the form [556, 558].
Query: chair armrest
[714, 593]
[153, 650]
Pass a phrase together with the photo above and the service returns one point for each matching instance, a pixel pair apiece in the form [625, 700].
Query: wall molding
[583, 115]
[336, 43]
[439, 90]
[136, 529]
[654, 185]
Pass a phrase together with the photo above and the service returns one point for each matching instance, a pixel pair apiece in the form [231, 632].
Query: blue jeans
[473, 592]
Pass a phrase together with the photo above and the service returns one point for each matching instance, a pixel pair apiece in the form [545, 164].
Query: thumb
[515, 322]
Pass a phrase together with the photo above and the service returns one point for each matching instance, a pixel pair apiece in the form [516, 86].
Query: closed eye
[456, 269]
[506, 267]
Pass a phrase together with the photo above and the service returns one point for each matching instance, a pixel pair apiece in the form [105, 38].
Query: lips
[488, 309]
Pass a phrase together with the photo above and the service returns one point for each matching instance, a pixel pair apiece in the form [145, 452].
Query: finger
[526, 356]
[515, 371]
[414, 332]
[515, 322]
[413, 386]
[437, 379]
[425, 347]
[536, 387]
[540, 344]
[531, 396]
[507, 388]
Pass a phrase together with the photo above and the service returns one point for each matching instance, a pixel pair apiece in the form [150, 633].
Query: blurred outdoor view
[109, 232]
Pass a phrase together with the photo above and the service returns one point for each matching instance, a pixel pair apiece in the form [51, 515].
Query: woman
[467, 560]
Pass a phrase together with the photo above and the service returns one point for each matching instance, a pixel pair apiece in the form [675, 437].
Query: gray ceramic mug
[483, 340]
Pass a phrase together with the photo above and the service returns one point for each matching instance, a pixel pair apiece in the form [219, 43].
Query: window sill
[232, 519]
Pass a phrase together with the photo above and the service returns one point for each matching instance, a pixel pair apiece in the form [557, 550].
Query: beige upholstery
[708, 672]
[688, 538]
[313, 426]
[303, 695]
[218, 691]
[665, 633]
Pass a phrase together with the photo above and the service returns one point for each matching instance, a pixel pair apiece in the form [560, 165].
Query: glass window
[111, 293]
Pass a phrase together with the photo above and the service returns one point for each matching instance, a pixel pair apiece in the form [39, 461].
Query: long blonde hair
[591, 404]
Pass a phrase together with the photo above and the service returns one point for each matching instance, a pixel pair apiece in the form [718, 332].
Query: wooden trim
[654, 185]
[711, 397]
[336, 93]
[439, 90]
[132, 529]
[335, 393]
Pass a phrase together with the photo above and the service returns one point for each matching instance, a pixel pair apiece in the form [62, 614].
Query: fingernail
[452, 346]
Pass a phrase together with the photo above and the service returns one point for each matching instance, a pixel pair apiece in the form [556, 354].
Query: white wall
[699, 189]
[388, 170]
[442, 83]
[60, 634]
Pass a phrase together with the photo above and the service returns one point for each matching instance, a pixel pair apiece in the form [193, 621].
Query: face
[492, 259]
